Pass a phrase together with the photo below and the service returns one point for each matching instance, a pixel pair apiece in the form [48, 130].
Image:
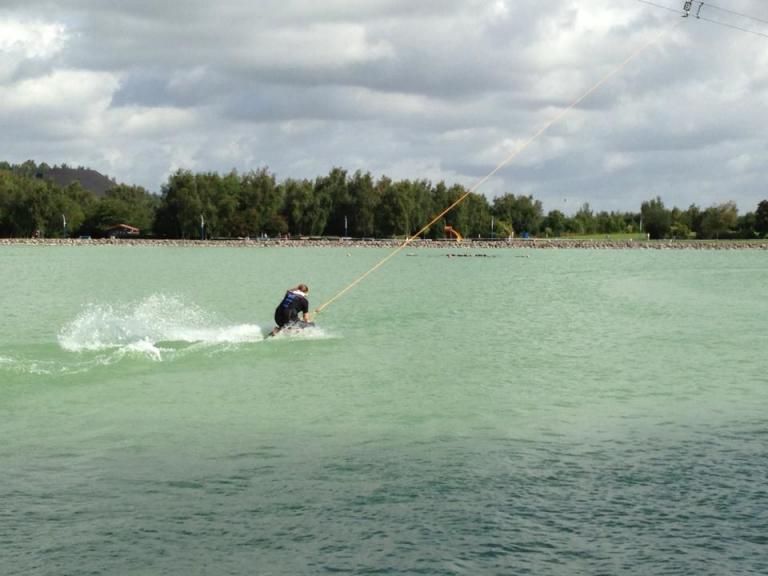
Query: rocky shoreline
[533, 243]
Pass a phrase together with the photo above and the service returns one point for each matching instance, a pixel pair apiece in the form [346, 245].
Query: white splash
[309, 333]
[153, 327]
[145, 348]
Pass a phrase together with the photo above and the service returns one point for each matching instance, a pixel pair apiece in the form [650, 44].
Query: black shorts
[285, 316]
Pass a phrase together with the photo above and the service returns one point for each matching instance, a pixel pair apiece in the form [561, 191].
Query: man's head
[304, 288]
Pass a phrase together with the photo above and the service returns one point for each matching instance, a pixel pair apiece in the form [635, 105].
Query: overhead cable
[675, 10]
[704, 5]
[707, 6]
[733, 26]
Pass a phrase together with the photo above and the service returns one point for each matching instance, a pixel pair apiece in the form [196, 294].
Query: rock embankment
[539, 243]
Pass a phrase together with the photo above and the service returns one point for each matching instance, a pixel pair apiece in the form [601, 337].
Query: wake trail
[158, 326]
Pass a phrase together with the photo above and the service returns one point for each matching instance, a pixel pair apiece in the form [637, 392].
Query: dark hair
[303, 287]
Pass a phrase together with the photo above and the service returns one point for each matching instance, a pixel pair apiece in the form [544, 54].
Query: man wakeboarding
[287, 312]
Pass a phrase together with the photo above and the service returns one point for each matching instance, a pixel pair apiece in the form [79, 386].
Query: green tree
[394, 216]
[523, 212]
[365, 201]
[277, 225]
[207, 188]
[422, 206]
[761, 218]
[106, 213]
[28, 169]
[657, 220]
[68, 205]
[442, 197]
[334, 188]
[692, 218]
[298, 201]
[719, 220]
[631, 222]
[460, 218]
[503, 229]
[28, 205]
[261, 197]
[477, 216]
[27, 208]
[122, 204]
[139, 206]
[746, 226]
[224, 207]
[178, 215]
[555, 222]
[584, 221]
[321, 205]
[7, 191]
[680, 224]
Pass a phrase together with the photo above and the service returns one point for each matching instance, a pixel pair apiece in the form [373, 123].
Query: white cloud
[500, 8]
[146, 123]
[31, 39]
[334, 45]
[614, 162]
[65, 104]
[22, 41]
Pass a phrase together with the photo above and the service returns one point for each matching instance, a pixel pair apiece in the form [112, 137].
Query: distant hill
[89, 179]
[62, 176]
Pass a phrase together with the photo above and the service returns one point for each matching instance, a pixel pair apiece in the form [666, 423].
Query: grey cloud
[183, 88]
[433, 88]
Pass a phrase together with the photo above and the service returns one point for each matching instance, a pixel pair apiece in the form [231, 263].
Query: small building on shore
[121, 231]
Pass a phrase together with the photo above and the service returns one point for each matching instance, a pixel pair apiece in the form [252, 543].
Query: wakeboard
[291, 328]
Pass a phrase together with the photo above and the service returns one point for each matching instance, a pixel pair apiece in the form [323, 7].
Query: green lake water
[531, 412]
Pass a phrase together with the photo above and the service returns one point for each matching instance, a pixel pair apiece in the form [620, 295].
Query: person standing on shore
[294, 302]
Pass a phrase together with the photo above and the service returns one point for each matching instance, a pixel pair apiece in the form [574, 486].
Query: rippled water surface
[529, 412]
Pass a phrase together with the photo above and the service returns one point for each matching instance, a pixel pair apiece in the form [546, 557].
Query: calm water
[535, 412]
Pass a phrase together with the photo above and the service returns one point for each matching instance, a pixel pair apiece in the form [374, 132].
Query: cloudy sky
[437, 89]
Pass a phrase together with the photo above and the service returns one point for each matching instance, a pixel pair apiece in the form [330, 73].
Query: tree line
[233, 205]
